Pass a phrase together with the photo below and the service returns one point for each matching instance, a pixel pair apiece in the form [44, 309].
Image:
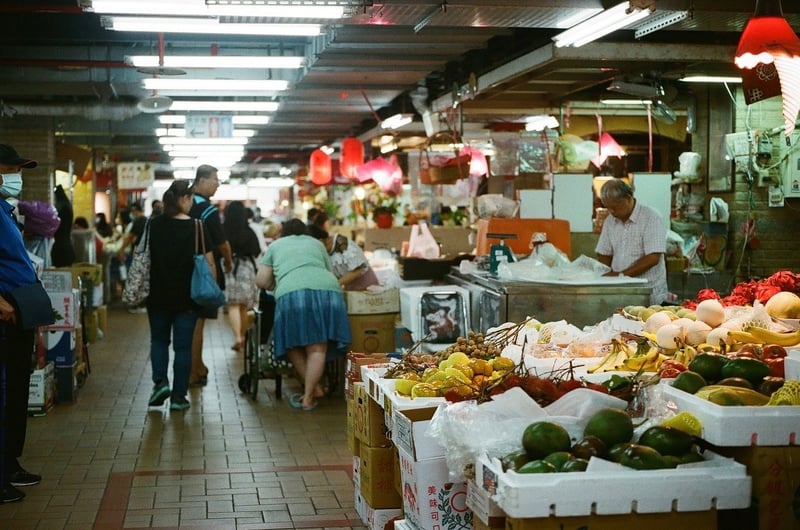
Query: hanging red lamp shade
[385, 173]
[608, 147]
[769, 38]
[320, 168]
[478, 166]
[352, 156]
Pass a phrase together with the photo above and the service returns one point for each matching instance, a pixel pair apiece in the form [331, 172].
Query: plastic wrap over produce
[469, 429]
[547, 263]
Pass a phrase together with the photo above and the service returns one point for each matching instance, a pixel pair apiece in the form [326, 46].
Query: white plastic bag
[422, 244]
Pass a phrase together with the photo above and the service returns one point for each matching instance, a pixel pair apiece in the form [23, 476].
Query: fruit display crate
[607, 488]
[791, 364]
[739, 426]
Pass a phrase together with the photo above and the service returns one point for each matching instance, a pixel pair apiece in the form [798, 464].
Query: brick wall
[40, 146]
[777, 229]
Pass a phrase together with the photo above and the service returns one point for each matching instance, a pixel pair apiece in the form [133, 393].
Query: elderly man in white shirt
[633, 240]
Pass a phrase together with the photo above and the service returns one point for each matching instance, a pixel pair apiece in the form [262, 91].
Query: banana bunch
[685, 354]
[649, 362]
[760, 335]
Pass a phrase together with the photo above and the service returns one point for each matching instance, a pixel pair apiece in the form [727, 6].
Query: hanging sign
[135, 175]
[208, 126]
[760, 83]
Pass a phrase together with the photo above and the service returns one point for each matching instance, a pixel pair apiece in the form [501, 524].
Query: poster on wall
[135, 175]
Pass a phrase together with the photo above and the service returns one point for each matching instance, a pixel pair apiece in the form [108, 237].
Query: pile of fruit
[547, 447]
[740, 378]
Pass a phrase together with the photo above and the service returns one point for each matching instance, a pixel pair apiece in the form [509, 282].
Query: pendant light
[320, 168]
[352, 156]
[768, 38]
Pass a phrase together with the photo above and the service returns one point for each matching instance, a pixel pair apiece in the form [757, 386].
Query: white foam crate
[791, 368]
[738, 426]
[718, 482]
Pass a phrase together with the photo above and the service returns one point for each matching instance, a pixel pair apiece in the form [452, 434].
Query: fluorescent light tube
[540, 123]
[171, 119]
[216, 61]
[622, 101]
[202, 141]
[175, 131]
[397, 121]
[710, 79]
[601, 24]
[227, 85]
[206, 26]
[224, 106]
[199, 8]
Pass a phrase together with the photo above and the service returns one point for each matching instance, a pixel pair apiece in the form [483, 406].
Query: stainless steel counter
[493, 301]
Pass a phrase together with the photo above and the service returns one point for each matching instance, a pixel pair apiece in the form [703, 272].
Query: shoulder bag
[205, 290]
[137, 284]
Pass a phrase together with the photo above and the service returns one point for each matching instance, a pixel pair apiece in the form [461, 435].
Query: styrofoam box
[409, 304]
[740, 426]
[607, 488]
[791, 364]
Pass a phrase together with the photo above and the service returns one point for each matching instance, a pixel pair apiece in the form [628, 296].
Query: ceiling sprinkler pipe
[100, 111]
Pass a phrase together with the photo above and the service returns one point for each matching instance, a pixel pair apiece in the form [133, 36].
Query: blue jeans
[181, 323]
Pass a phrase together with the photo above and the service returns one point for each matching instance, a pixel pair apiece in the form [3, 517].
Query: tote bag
[137, 284]
[205, 290]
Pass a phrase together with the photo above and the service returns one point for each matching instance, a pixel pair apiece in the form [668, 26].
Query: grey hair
[203, 172]
[615, 190]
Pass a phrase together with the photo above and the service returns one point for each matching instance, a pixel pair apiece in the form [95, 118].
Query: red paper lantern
[352, 157]
[320, 168]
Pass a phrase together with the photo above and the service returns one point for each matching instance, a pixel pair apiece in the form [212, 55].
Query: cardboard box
[776, 488]
[353, 364]
[431, 501]
[484, 509]
[410, 434]
[41, 393]
[369, 303]
[66, 383]
[381, 519]
[57, 280]
[498, 524]
[60, 346]
[377, 477]
[67, 309]
[92, 272]
[352, 442]
[706, 520]
[102, 318]
[92, 326]
[372, 333]
[368, 421]
[357, 472]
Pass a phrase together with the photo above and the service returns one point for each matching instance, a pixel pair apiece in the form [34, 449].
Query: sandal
[296, 402]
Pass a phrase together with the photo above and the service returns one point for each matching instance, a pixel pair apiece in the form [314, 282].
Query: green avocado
[751, 369]
[642, 457]
[666, 440]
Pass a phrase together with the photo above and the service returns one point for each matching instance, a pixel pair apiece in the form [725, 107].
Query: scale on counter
[499, 252]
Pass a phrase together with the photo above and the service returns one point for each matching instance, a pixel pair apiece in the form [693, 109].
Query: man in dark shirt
[206, 183]
[16, 344]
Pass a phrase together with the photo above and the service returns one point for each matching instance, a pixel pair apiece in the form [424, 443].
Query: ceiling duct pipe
[96, 111]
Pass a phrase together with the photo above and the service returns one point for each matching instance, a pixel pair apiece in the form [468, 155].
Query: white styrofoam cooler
[718, 482]
[409, 304]
[739, 426]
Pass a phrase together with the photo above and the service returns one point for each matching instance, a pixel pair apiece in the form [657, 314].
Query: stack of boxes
[373, 318]
[61, 343]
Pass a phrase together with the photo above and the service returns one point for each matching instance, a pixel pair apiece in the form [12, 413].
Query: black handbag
[33, 306]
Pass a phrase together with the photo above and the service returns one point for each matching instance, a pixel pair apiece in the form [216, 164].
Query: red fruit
[773, 351]
[569, 384]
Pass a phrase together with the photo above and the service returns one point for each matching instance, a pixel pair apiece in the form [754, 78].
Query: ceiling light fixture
[426, 19]
[397, 121]
[540, 123]
[769, 38]
[217, 61]
[710, 79]
[243, 119]
[224, 106]
[622, 101]
[169, 140]
[179, 131]
[201, 8]
[206, 26]
[602, 24]
[216, 85]
[660, 20]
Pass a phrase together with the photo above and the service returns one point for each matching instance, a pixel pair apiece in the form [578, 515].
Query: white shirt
[643, 233]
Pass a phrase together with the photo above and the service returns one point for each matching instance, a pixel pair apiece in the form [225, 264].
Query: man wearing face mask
[16, 344]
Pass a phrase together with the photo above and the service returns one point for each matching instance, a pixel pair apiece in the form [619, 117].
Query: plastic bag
[422, 244]
[41, 218]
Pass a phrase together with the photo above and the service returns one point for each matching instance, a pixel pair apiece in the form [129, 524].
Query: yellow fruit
[411, 376]
[480, 366]
[783, 305]
[502, 363]
[458, 358]
[424, 390]
[460, 375]
[685, 422]
[405, 387]
[428, 373]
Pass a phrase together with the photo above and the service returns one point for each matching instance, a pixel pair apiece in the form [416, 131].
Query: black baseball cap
[10, 157]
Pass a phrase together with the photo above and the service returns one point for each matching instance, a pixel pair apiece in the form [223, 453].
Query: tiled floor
[229, 462]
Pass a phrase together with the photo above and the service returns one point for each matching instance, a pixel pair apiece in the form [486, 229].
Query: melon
[711, 312]
[783, 305]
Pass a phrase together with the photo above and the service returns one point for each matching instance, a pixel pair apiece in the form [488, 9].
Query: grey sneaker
[159, 395]
[178, 403]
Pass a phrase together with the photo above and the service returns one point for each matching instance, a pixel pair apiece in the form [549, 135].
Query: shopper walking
[241, 293]
[16, 341]
[170, 310]
[311, 323]
[206, 183]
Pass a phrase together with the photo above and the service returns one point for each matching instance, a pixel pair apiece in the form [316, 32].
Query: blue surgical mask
[12, 185]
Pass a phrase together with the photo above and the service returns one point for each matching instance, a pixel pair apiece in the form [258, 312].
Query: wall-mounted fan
[649, 88]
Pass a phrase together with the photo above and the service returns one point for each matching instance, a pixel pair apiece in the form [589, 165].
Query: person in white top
[633, 240]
